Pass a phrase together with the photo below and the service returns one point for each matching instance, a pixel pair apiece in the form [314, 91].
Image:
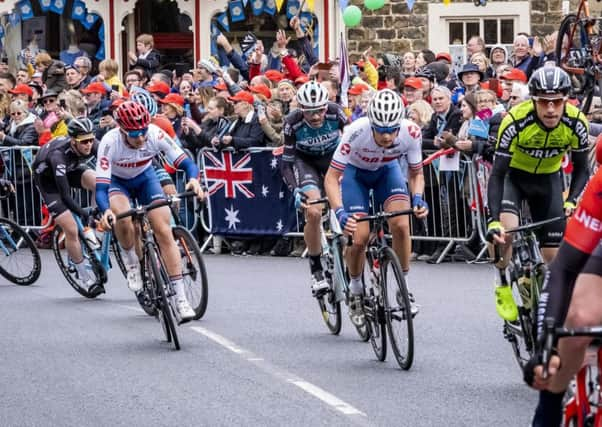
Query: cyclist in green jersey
[532, 140]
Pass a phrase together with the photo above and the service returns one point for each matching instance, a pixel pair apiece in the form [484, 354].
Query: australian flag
[246, 193]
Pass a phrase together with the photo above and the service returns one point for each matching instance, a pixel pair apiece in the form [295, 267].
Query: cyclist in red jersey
[572, 295]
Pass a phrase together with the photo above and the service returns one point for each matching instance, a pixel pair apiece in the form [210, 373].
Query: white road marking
[312, 389]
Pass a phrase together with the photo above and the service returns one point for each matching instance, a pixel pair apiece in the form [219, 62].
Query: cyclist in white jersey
[123, 171]
[368, 159]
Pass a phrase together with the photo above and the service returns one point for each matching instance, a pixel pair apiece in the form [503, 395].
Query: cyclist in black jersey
[311, 135]
[59, 166]
[532, 140]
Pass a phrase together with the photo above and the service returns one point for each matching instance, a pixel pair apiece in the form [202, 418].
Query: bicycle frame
[103, 253]
[15, 245]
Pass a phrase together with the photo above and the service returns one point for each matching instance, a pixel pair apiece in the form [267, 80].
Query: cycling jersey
[359, 149]
[117, 158]
[57, 168]
[525, 146]
[537, 150]
[304, 143]
[584, 228]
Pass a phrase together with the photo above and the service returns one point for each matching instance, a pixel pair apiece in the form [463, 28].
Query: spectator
[196, 136]
[522, 58]
[133, 78]
[413, 90]
[51, 115]
[74, 78]
[514, 75]
[470, 76]
[427, 77]
[173, 109]
[445, 117]
[108, 70]
[24, 92]
[147, 58]
[518, 94]
[84, 66]
[185, 89]
[475, 44]
[333, 87]
[20, 130]
[409, 64]
[482, 62]
[286, 93]
[272, 122]
[95, 100]
[206, 73]
[53, 72]
[246, 131]
[420, 112]
[425, 57]
[23, 76]
[497, 57]
[158, 89]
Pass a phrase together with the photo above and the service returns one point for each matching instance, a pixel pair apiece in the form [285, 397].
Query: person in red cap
[444, 56]
[96, 103]
[159, 90]
[514, 75]
[22, 91]
[173, 109]
[274, 75]
[247, 131]
[412, 90]
[262, 90]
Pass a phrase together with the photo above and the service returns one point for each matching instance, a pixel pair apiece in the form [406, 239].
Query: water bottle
[524, 289]
[91, 238]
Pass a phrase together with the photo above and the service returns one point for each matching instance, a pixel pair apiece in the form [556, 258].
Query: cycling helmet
[386, 109]
[312, 95]
[132, 116]
[143, 97]
[80, 126]
[426, 73]
[549, 80]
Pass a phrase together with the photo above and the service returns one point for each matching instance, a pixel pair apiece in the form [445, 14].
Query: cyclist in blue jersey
[311, 134]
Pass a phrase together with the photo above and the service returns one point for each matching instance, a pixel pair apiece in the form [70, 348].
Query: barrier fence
[248, 198]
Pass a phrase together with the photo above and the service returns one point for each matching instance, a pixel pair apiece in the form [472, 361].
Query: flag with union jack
[246, 193]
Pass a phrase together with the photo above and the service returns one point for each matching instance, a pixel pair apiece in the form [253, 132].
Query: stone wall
[394, 28]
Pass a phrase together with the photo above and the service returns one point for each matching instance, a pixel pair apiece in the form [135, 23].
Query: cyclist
[533, 138]
[368, 159]
[311, 134]
[571, 295]
[59, 166]
[124, 170]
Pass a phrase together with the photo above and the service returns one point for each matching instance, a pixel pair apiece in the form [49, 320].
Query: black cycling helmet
[426, 73]
[80, 126]
[549, 81]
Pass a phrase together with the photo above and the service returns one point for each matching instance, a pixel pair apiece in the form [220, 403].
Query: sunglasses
[16, 113]
[543, 101]
[388, 130]
[314, 111]
[85, 141]
[515, 98]
[137, 133]
[49, 101]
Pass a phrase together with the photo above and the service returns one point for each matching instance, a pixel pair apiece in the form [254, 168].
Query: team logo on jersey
[345, 149]
[414, 131]
[104, 163]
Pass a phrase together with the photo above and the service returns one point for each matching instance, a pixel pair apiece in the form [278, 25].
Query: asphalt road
[260, 356]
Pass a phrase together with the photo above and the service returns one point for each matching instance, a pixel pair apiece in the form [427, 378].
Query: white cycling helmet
[312, 95]
[386, 109]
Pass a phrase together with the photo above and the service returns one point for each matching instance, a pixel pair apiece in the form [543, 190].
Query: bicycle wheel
[116, 249]
[573, 54]
[327, 301]
[193, 271]
[164, 310]
[68, 268]
[520, 332]
[20, 260]
[397, 309]
[374, 313]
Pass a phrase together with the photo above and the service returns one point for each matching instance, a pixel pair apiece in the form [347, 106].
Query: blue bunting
[343, 4]
[292, 8]
[237, 11]
[57, 6]
[101, 32]
[269, 7]
[25, 9]
[222, 20]
[257, 6]
[90, 20]
[100, 53]
[306, 19]
[79, 11]
[14, 19]
[410, 4]
[45, 5]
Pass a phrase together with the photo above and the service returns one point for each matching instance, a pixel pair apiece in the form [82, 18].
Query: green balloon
[374, 4]
[352, 16]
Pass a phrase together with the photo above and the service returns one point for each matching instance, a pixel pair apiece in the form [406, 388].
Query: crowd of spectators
[239, 99]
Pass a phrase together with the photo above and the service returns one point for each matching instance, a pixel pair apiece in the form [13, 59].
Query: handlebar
[143, 210]
[384, 215]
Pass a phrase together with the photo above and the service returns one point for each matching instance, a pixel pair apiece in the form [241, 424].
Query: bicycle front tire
[20, 260]
[397, 309]
[164, 306]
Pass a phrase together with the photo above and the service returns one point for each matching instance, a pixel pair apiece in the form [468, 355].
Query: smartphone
[115, 88]
[62, 104]
[187, 110]
[531, 41]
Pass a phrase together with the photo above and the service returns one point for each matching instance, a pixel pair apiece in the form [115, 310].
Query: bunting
[25, 9]
[410, 4]
[79, 11]
[222, 20]
[343, 4]
[257, 6]
[269, 7]
[310, 5]
[45, 5]
[292, 8]
[14, 19]
[57, 6]
[237, 10]
[90, 20]
[279, 4]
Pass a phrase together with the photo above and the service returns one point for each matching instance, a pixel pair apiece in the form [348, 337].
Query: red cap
[303, 78]
[95, 87]
[414, 82]
[159, 87]
[173, 98]
[357, 89]
[274, 75]
[514, 74]
[165, 124]
[372, 61]
[22, 89]
[262, 90]
[220, 86]
[445, 56]
[243, 95]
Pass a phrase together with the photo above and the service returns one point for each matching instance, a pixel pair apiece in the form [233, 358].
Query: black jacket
[245, 135]
[195, 142]
[150, 63]
[23, 134]
[453, 122]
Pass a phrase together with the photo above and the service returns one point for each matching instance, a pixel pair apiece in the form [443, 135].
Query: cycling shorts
[310, 171]
[50, 192]
[144, 188]
[594, 262]
[543, 193]
[387, 183]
